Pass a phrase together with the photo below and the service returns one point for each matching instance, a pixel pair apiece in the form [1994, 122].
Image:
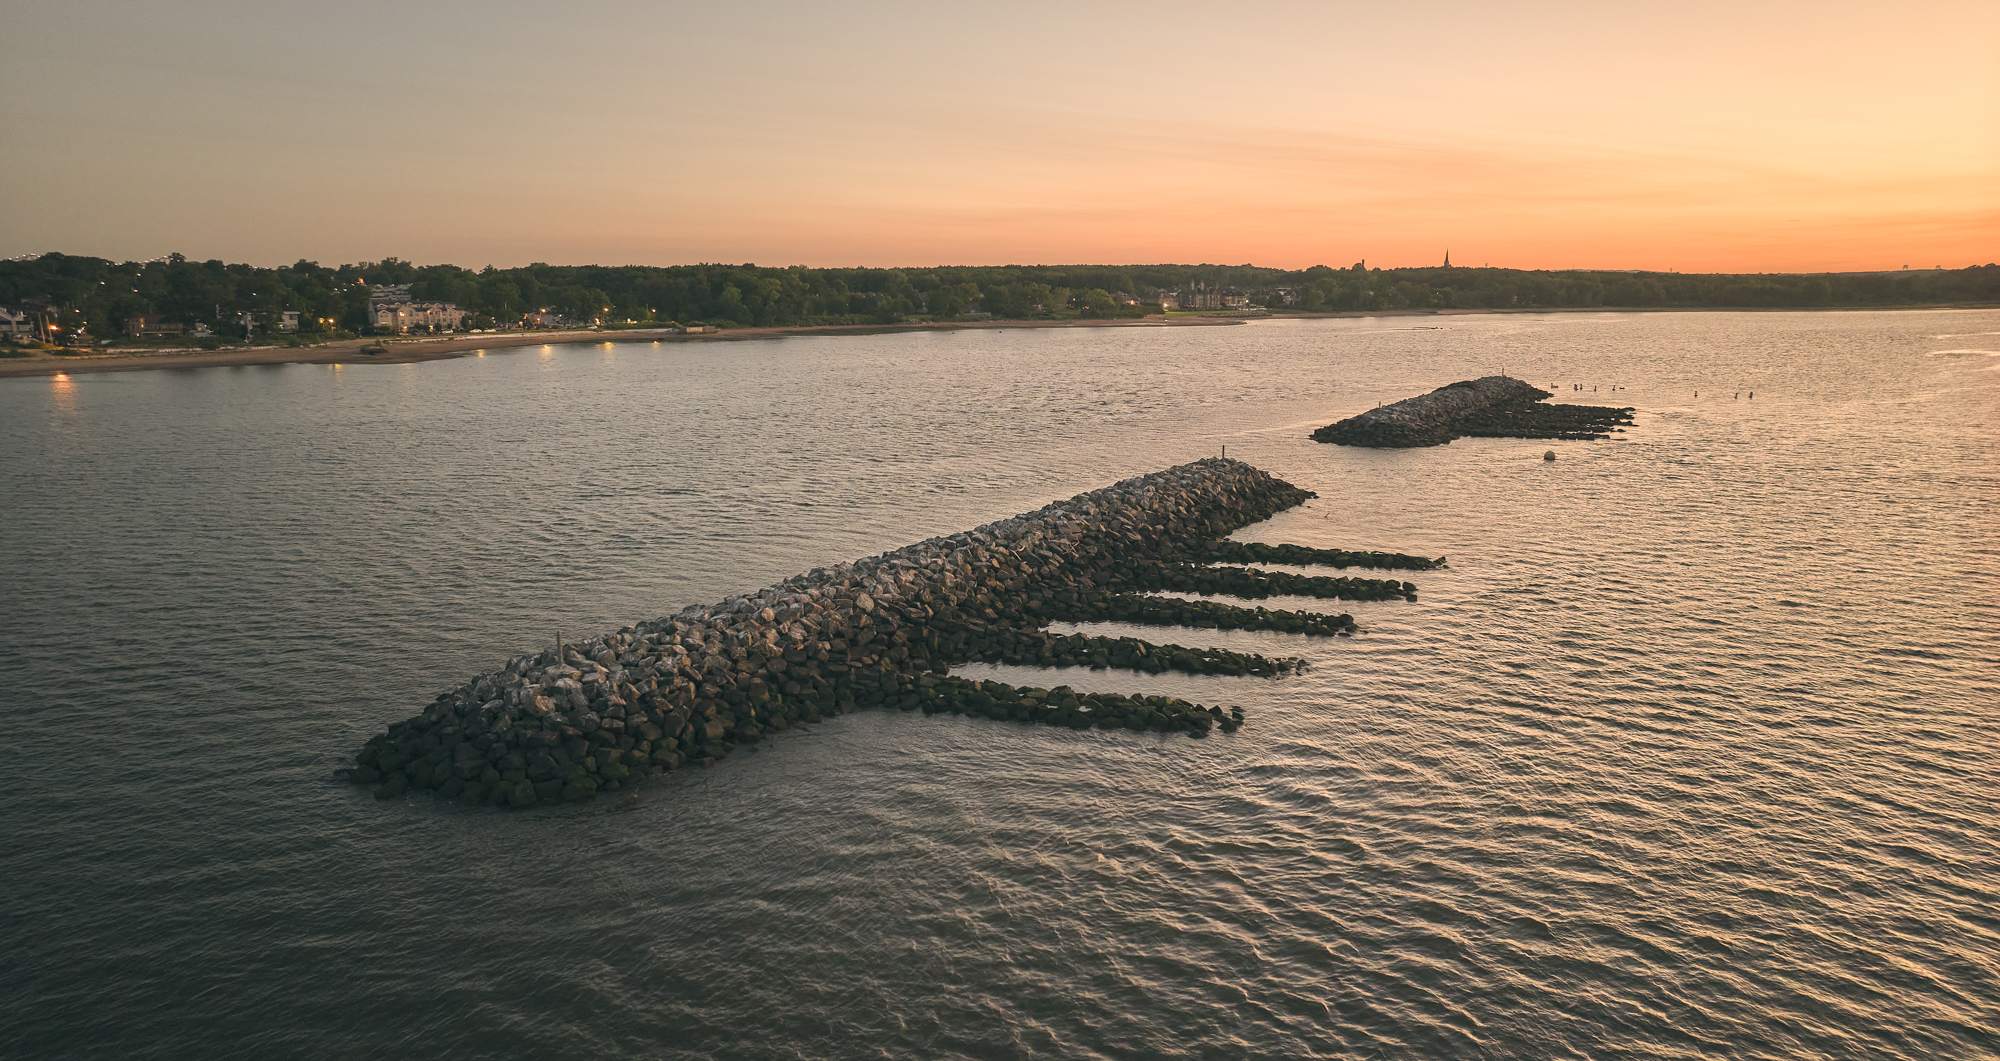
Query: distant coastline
[404, 351]
[311, 312]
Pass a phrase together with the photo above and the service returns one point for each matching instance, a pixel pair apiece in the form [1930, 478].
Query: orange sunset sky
[1688, 136]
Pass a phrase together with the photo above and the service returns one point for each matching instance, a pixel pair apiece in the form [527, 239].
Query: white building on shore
[390, 307]
[1202, 295]
[16, 323]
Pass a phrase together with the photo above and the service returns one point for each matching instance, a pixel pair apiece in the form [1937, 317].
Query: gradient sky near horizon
[1690, 135]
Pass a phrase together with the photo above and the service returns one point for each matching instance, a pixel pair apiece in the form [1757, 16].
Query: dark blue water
[1690, 753]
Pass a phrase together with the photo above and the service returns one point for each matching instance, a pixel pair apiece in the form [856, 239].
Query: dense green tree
[951, 300]
[102, 294]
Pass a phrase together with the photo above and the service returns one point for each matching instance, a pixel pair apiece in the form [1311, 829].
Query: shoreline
[412, 351]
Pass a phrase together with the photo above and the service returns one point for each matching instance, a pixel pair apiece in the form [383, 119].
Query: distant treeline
[104, 294]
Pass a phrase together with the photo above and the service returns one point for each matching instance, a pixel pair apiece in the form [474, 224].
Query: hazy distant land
[195, 313]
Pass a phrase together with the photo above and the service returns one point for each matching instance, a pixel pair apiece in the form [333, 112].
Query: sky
[1690, 136]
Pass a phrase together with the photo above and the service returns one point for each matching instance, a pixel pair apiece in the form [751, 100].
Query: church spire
[1447, 257]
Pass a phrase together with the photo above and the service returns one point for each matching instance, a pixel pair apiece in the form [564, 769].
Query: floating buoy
[1549, 456]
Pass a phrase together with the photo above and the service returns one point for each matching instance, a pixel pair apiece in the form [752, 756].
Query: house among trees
[391, 308]
[1202, 295]
[152, 326]
[16, 323]
[30, 318]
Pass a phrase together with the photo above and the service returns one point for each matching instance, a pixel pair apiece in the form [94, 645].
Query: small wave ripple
[1687, 754]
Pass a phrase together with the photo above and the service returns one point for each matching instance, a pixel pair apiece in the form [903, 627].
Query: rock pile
[1489, 407]
[882, 631]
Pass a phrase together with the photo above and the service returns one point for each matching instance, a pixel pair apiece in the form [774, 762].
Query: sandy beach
[403, 351]
[406, 351]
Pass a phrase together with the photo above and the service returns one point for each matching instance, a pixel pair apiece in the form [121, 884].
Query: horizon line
[1019, 265]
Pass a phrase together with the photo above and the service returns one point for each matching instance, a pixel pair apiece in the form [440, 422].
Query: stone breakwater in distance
[884, 632]
[1488, 407]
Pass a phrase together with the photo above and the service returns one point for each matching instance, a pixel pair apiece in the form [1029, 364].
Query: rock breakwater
[1488, 407]
[884, 632]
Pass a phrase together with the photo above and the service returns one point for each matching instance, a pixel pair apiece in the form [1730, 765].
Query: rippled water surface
[1691, 752]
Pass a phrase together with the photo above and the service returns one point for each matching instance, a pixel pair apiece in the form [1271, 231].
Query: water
[1690, 753]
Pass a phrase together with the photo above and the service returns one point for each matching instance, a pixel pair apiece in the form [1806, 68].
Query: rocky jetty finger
[1041, 648]
[1253, 584]
[880, 632]
[1234, 552]
[1488, 407]
[1141, 610]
